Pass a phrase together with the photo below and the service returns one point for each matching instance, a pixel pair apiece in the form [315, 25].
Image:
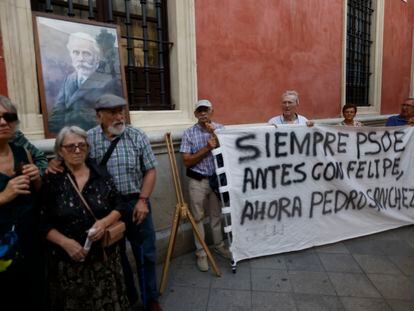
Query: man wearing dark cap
[132, 166]
[196, 146]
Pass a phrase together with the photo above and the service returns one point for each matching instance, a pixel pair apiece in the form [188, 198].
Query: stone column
[19, 57]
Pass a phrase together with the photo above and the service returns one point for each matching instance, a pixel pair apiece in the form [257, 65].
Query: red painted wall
[249, 52]
[396, 69]
[3, 81]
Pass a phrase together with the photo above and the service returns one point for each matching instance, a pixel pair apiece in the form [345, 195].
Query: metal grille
[358, 50]
[144, 43]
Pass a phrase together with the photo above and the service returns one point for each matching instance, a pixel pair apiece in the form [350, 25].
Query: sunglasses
[9, 117]
[72, 147]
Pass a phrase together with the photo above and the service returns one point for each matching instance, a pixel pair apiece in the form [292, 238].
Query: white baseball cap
[203, 103]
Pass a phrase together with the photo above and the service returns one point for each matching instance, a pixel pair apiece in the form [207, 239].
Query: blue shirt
[195, 138]
[396, 121]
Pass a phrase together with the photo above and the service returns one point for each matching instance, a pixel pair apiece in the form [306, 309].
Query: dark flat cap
[109, 101]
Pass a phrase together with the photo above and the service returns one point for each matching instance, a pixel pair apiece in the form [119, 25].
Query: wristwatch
[145, 199]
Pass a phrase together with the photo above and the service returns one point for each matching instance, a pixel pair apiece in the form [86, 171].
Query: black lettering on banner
[317, 138]
[272, 210]
[316, 199]
[259, 210]
[386, 139]
[285, 174]
[341, 148]
[248, 179]
[314, 175]
[283, 205]
[362, 202]
[305, 145]
[337, 205]
[360, 169]
[247, 212]
[261, 178]
[252, 150]
[398, 141]
[267, 141]
[361, 139]
[272, 169]
[350, 167]
[386, 164]
[279, 143]
[412, 197]
[330, 138]
[353, 194]
[376, 169]
[404, 197]
[373, 141]
[372, 199]
[300, 172]
[326, 201]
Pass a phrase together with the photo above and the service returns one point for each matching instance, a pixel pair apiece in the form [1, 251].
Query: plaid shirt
[131, 158]
[195, 138]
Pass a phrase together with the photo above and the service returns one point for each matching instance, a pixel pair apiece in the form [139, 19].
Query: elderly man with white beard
[81, 89]
[132, 166]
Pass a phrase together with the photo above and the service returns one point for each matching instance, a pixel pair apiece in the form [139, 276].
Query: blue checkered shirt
[195, 138]
[131, 158]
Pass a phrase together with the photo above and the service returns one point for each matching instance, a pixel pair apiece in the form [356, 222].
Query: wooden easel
[181, 212]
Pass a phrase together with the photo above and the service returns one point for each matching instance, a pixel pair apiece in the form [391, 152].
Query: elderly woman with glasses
[20, 255]
[81, 278]
[290, 104]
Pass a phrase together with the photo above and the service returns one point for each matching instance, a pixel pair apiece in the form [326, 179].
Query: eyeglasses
[72, 147]
[9, 117]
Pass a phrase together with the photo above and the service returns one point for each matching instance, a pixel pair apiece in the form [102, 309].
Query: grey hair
[62, 135]
[77, 36]
[291, 93]
[8, 105]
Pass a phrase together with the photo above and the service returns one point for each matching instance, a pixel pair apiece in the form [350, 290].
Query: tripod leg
[170, 249]
[205, 247]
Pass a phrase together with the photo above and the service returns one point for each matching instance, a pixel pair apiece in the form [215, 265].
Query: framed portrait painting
[77, 62]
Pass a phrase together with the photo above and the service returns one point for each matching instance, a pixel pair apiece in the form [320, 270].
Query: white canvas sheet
[296, 187]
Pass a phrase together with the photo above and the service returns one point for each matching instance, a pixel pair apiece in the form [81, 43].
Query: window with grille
[358, 51]
[144, 43]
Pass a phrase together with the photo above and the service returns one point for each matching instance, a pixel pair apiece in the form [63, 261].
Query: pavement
[374, 272]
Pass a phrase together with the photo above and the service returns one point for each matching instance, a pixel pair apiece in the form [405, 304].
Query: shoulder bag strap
[81, 196]
[29, 156]
[109, 151]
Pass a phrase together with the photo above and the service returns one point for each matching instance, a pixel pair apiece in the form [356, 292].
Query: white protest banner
[292, 188]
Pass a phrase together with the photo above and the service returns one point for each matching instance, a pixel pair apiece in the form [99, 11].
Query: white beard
[116, 130]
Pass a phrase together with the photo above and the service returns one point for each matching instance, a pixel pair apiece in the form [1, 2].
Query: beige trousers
[202, 197]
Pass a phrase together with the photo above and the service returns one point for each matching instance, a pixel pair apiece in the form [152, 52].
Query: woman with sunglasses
[21, 268]
[82, 275]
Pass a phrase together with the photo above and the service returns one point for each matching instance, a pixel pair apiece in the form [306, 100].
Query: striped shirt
[131, 158]
[195, 138]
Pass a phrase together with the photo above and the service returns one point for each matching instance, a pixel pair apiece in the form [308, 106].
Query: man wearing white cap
[196, 146]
